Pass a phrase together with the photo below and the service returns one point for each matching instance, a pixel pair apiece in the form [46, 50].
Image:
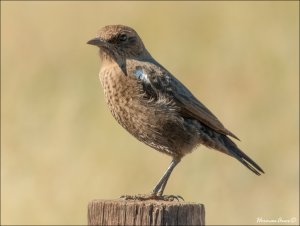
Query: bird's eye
[122, 38]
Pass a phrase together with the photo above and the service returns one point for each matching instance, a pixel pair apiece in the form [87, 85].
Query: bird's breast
[122, 95]
[156, 123]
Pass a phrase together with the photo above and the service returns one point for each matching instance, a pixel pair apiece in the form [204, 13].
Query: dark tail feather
[241, 156]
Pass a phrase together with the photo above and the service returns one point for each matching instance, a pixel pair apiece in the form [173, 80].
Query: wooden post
[150, 212]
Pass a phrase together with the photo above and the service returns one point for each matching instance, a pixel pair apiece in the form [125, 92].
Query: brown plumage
[152, 105]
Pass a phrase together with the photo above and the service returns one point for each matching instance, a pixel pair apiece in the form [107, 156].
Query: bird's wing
[158, 81]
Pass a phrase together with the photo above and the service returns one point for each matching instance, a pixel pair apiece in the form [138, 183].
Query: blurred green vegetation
[61, 147]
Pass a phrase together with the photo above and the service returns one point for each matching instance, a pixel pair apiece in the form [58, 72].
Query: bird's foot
[172, 197]
[144, 197]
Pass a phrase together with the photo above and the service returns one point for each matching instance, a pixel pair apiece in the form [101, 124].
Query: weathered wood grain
[151, 212]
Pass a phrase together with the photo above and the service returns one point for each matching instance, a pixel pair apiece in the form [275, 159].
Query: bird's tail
[234, 151]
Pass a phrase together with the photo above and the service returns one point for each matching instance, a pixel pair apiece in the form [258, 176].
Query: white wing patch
[140, 74]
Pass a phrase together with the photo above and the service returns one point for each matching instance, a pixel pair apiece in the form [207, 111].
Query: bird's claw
[144, 197]
[173, 197]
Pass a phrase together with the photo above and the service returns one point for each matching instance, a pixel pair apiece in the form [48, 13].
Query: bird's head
[118, 43]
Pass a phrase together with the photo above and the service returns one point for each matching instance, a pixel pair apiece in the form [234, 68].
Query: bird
[155, 107]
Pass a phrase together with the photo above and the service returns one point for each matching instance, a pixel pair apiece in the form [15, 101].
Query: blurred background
[61, 147]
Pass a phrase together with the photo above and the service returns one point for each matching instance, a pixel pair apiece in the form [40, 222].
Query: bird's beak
[96, 42]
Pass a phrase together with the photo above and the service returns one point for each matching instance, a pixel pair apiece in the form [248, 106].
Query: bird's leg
[159, 188]
[157, 193]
